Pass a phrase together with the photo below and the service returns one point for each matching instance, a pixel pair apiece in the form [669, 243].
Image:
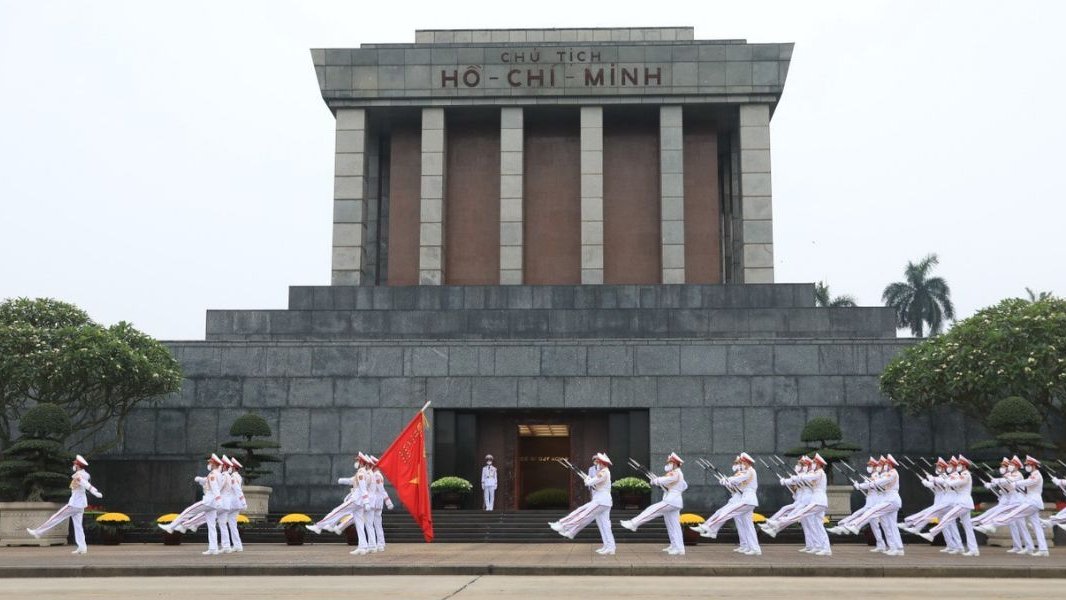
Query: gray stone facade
[330, 390]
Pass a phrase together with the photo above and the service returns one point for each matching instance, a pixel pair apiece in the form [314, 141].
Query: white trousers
[223, 526]
[192, 516]
[1023, 514]
[364, 529]
[814, 533]
[379, 532]
[947, 525]
[490, 497]
[1059, 518]
[336, 515]
[67, 512]
[730, 510]
[671, 517]
[586, 514]
[234, 533]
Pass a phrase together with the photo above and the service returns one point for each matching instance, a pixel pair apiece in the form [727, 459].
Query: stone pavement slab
[780, 560]
[496, 587]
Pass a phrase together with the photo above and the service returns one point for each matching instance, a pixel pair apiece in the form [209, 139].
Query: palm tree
[821, 297]
[921, 299]
[1035, 297]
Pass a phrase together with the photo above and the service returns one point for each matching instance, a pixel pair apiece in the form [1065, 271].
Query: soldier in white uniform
[959, 499]
[488, 482]
[228, 509]
[673, 484]
[75, 508]
[1021, 541]
[204, 511]
[356, 505]
[743, 484]
[813, 511]
[379, 499]
[801, 494]
[873, 498]
[598, 509]
[239, 504]
[886, 511]
[942, 502]
[1027, 510]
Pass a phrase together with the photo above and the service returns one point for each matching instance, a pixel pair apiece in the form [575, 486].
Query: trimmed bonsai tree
[1014, 424]
[37, 467]
[254, 451]
[822, 435]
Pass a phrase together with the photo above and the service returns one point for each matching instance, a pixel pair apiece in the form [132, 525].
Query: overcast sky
[157, 160]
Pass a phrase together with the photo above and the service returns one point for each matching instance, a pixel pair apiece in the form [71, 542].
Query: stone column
[511, 196]
[671, 194]
[431, 229]
[591, 194]
[755, 204]
[349, 198]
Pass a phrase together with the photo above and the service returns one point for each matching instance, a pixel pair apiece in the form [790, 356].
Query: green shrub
[1013, 414]
[37, 467]
[821, 429]
[1014, 424]
[451, 483]
[631, 484]
[250, 426]
[548, 498]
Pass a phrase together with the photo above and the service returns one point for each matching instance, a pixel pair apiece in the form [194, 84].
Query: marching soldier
[938, 483]
[959, 500]
[352, 506]
[800, 498]
[239, 504]
[204, 511]
[379, 500]
[1021, 541]
[673, 484]
[598, 509]
[488, 482]
[813, 511]
[743, 484]
[75, 508]
[1027, 510]
[873, 498]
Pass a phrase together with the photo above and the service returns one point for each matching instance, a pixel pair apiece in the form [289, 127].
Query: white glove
[97, 494]
[388, 505]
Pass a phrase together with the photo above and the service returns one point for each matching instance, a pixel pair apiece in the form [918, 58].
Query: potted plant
[451, 490]
[548, 498]
[111, 525]
[293, 524]
[632, 491]
[254, 444]
[691, 538]
[822, 435]
[34, 475]
[173, 538]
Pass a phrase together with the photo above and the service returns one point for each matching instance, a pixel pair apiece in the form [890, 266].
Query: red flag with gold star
[404, 463]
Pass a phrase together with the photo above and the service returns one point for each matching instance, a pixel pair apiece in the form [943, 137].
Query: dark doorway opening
[542, 482]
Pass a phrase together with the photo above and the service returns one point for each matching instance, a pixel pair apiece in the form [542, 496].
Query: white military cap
[79, 460]
[600, 456]
[215, 459]
[745, 457]
[674, 458]
[488, 457]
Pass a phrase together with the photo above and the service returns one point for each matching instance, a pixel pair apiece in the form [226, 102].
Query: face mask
[488, 462]
[1011, 469]
[869, 469]
[950, 470]
[668, 467]
[1029, 469]
[73, 468]
[797, 468]
[1003, 470]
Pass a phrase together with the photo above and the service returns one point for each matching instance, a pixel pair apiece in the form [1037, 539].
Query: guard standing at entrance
[488, 482]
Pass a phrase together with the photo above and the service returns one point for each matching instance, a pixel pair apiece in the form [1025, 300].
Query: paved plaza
[778, 560]
[495, 587]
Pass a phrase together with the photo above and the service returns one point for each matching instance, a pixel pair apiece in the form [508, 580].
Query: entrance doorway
[524, 442]
[542, 482]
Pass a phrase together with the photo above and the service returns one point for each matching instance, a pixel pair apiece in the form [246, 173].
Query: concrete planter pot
[15, 517]
[839, 497]
[258, 498]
